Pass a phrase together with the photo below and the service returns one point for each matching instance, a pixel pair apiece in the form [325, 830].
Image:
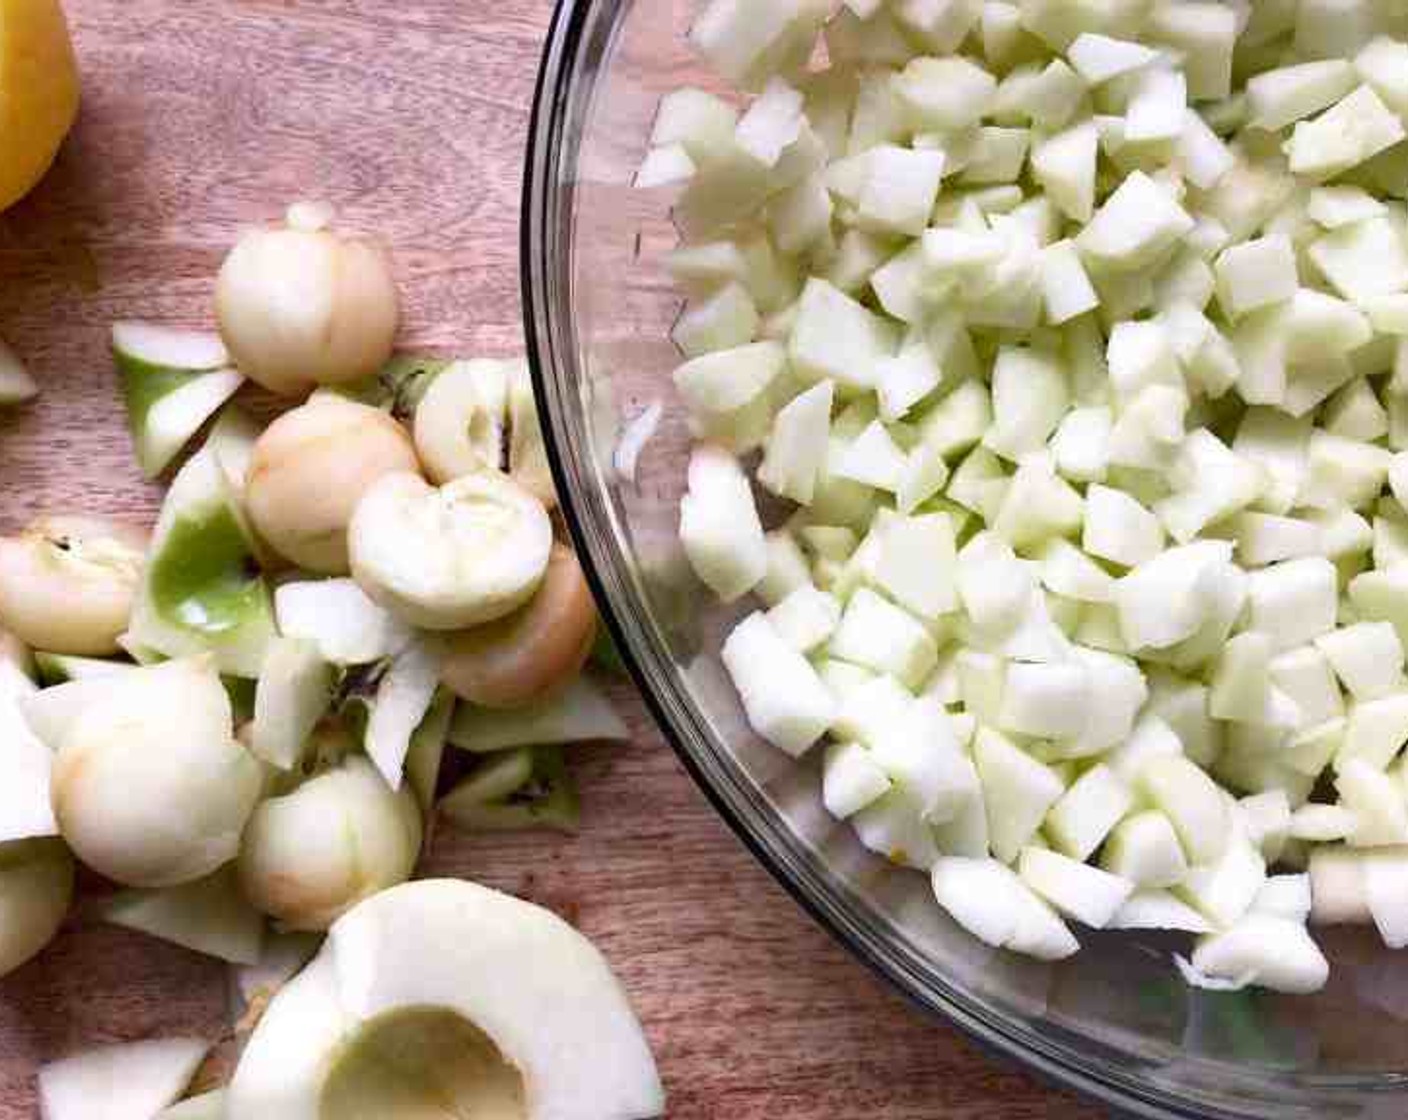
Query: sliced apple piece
[36, 889]
[294, 690]
[209, 916]
[403, 697]
[336, 615]
[528, 787]
[126, 1081]
[428, 748]
[442, 995]
[198, 592]
[170, 386]
[580, 713]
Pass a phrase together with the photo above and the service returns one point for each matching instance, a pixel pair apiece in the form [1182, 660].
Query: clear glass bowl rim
[578, 40]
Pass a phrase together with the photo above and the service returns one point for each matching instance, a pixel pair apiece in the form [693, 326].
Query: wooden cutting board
[201, 116]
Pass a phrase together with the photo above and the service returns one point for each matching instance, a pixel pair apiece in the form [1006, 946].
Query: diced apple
[945, 93]
[1144, 849]
[992, 903]
[1084, 815]
[1018, 792]
[879, 635]
[1150, 908]
[784, 699]
[1134, 227]
[1376, 801]
[851, 779]
[1266, 950]
[1193, 804]
[1356, 128]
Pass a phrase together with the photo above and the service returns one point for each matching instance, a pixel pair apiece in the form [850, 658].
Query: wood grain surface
[202, 116]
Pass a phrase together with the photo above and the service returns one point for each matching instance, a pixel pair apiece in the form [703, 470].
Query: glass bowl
[1116, 1021]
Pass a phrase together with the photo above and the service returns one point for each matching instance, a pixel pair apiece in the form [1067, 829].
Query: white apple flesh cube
[1157, 106]
[1256, 273]
[872, 459]
[1030, 394]
[1151, 908]
[1018, 791]
[1066, 288]
[1205, 158]
[1377, 802]
[1225, 888]
[719, 525]
[1337, 889]
[1098, 58]
[992, 903]
[921, 755]
[993, 585]
[1386, 892]
[851, 779]
[1323, 824]
[879, 635]
[1117, 528]
[1280, 97]
[773, 121]
[696, 119]
[1164, 600]
[1375, 731]
[1192, 802]
[1211, 482]
[1134, 227]
[1093, 805]
[1076, 889]
[1036, 506]
[1046, 701]
[726, 319]
[747, 42]
[720, 388]
[663, 167]
[1068, 571]
[1081, 444]
[1305, 675]
[836, 337]
[1363, 260]
[806, 618]
[900, 188]
[1144, 849]
[894, 828]
[1294, 602]
[1383, 65]
[1241, 679]
[1064, 165]
[1367, 657]
[944, 94]
[1284, 896]
[784, 699]
[796, 451]
[917, 564]
[1355, 129]
[1265, 950]
[906, 379]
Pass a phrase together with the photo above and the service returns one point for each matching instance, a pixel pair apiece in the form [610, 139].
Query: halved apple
[443, 998]
[173, 381]
[201, 589]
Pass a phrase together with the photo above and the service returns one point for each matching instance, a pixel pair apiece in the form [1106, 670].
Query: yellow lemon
[38, 92]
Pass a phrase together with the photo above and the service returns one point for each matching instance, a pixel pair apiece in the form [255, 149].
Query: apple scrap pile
[244, 712]
[1077, 333]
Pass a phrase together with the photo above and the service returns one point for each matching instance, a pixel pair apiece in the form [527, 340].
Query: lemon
[38, 92]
